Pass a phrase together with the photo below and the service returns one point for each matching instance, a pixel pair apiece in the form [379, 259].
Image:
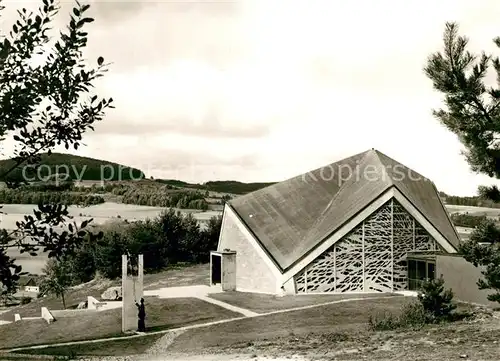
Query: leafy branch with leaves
[472, 112]
[46, 100]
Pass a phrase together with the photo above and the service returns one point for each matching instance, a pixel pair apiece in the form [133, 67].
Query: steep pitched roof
[292, 217]
[26, 281]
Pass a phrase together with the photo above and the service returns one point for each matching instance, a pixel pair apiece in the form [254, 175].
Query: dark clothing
[141, 325]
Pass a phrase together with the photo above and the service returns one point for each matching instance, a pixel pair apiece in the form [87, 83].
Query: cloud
[281, 89]
[167, 161]
[210, 127]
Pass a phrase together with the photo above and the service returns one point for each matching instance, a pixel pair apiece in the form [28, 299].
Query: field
[101, 213]
[474, 211]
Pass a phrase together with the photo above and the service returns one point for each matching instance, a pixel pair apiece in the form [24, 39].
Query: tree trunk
[63, 301]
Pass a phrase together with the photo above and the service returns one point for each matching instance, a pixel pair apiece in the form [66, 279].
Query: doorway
[216, 262]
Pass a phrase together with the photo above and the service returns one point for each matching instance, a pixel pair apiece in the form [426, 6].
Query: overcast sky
[265, 90]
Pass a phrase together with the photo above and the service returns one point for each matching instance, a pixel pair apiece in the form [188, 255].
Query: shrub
[25, 300]
[436, 301]
[434, 304]
[467, 220]
[412, 315]
[383, 322]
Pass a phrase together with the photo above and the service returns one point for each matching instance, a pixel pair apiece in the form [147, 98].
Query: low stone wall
[47, 315]
[93, 303]
[70, 313]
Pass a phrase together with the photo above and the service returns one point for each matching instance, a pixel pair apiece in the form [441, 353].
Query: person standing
[141, 325]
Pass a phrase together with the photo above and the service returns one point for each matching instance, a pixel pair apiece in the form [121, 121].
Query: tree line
[24, 196]
[233, 187]
[471, 201]
[169, 239]
[68, 194]
[467, 220]
[183, 200]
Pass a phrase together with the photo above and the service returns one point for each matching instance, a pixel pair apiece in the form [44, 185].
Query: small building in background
[28, 287]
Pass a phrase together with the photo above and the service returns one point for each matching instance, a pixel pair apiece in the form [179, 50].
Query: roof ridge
[346, 184]
[384, 167]
[397, 163]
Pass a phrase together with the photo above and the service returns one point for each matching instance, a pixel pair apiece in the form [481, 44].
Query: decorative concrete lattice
[372, 257]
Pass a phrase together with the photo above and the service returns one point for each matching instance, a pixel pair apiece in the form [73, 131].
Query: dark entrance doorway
[216, 269]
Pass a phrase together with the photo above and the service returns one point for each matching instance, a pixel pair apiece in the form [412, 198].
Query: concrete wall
[47, 315]
[252, 272]
[92, 303]
[71, 313]
[229, 272]
[132, 292]
[461, 276]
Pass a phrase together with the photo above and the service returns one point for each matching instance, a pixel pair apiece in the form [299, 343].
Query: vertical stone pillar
[124, 291]
[132, 292]
[139, 288]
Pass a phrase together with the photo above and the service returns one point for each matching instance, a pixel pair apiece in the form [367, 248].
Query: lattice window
[372, 257]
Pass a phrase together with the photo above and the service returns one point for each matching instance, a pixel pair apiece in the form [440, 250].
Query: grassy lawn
[123, 347]
[178, 276]
[332, 332]
[160, 314]
[262, 303]
[323, 319]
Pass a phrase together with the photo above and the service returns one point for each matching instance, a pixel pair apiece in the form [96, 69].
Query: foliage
[148, 194]
[491, 193]
[44, 104]
[411, 315]
[435, 300]
[25, 300]
[466, 220]
[471, 107]
[19, 196]
[472, 112]
[168, 239]
[57, 279]
[233, 187]
[161, 198]
[435, 304]
[486, 231]
[479, 201]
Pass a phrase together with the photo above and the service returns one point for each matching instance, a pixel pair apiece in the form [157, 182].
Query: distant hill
[230, 186]
[78, 168]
